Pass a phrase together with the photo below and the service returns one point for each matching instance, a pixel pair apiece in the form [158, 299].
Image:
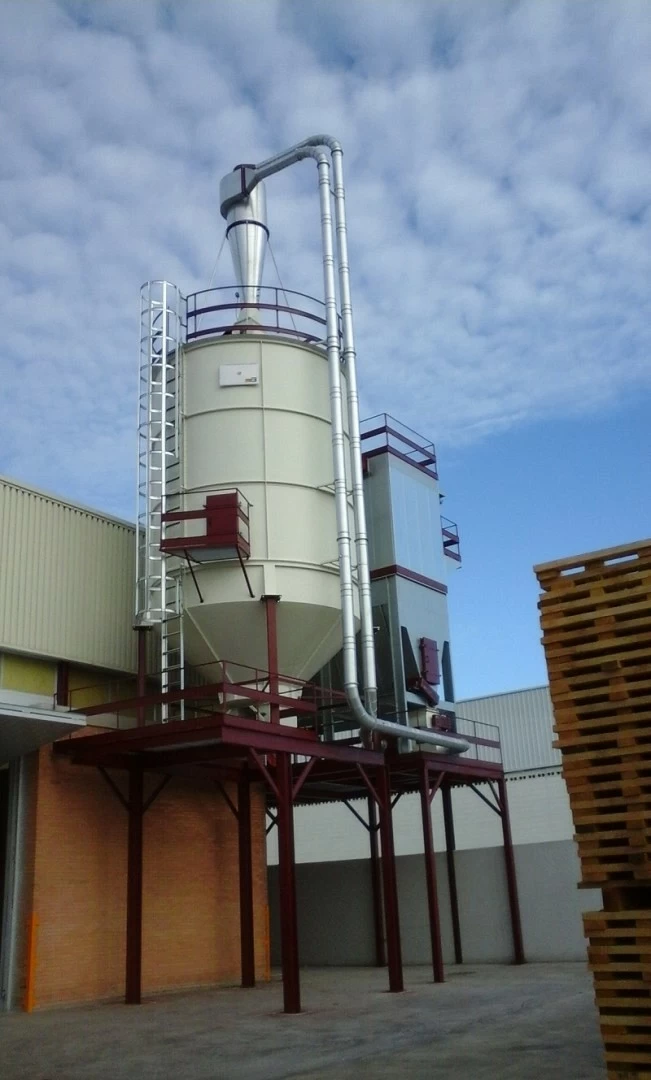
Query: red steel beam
[277, 737]
[180, 733]
[287, 888]
[450, 847]
[511, 879]
[271, 613]
[408, 765]
[430, 876]
[376, 884]
[133, 981]
[391, 911]
[247, 936]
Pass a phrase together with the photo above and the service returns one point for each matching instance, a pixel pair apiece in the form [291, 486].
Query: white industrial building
[546, 858]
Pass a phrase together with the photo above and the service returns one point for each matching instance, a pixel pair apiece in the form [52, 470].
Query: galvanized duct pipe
[249, 177]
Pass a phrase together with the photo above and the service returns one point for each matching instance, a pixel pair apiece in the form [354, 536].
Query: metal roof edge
[502, 693]
[63, 501]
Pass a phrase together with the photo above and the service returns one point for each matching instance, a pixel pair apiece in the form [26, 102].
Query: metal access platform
[236, 731]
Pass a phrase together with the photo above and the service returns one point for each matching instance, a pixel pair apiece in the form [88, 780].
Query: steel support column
[287, 886]
[62, 698]
[450, 847]
[430, 876]
[512, 885]
[391, 911]
[376, 884]
[134, 887]
[247, 939]
[271, 613]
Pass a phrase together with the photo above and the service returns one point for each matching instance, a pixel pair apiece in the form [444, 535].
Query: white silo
[254, 418]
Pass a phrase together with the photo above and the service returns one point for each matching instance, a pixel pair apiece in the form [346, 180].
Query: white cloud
[498, 193]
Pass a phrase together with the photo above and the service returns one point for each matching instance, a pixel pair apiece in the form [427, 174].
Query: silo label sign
[239, 375]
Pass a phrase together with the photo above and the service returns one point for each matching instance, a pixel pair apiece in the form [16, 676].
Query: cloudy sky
[499, 187]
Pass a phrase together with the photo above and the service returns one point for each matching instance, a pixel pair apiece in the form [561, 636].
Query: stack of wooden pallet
[596, 622]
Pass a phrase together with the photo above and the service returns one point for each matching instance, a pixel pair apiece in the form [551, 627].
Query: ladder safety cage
[159, 599]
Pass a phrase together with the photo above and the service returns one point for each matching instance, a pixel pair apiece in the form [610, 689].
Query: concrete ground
[485, 1023]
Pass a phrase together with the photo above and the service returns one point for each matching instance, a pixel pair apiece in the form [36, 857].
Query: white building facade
[332, 849]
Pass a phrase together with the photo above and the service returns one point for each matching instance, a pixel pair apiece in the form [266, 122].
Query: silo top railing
[221, 311]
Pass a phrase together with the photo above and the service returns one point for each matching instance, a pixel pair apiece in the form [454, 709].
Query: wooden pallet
[595, 614]
[623, 765]
[602, 740]
[609, 635]
[614, 687]
[588, 600]
[627, 897]
[619, 956]
[631, 844]
[623, 753]
[628, 704]
[570, 574]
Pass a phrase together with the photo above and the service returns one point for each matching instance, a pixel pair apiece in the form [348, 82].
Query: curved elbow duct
[235, 187]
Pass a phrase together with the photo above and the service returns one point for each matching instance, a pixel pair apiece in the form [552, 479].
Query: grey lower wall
[336, 915]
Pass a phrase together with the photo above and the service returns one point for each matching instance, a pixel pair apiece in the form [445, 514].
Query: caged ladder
[159, 585]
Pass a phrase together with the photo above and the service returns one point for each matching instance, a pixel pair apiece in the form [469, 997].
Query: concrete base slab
[485, 1023]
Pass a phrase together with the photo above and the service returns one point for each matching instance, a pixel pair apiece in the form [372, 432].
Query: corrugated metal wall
[66, 580]
[525, 719]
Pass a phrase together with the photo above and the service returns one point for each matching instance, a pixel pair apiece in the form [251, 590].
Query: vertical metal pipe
[511, 880]
[247, 938]
[357, 477]
[450, 847]
[349, 630]
[133, 982]
[391, 910]
[430, 877]
[141, 677]
[376, 885]
[271, 612]
[287, 887]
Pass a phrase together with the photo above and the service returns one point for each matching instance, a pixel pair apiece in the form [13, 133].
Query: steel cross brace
[496, 809]
[431, 791]
[367, 825]
[265, 771]
[371, 787]
[229, 802]
[125, 802]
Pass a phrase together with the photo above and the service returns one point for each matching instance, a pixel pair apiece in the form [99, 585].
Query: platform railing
[227, 686]
[223, 686]
[383, 433]
[484, 739]
[222, 311]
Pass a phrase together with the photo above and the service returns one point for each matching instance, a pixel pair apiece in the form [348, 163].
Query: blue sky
[497, 159]
[543, 491]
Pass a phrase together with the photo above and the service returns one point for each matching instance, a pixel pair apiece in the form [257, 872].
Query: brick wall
[190, 901]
